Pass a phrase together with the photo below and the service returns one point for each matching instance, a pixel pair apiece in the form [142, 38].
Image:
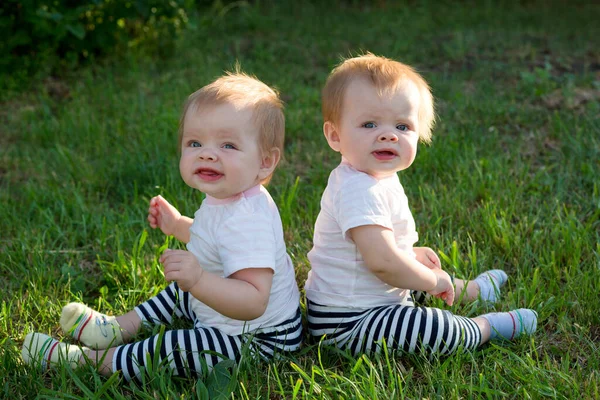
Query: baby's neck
[253, 191]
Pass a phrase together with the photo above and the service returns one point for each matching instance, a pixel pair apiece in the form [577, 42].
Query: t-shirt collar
[253, 191]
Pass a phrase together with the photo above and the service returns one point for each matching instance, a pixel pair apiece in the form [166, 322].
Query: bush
[40, 34]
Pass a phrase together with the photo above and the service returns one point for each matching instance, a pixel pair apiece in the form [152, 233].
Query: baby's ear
[270, 159]
[332, 135]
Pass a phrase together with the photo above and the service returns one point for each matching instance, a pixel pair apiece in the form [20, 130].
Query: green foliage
[510, 181]
[51, 34]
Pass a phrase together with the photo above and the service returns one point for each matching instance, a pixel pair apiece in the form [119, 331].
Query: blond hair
[244, 91]
[386, 75]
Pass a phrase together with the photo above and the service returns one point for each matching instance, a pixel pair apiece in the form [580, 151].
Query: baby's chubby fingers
[152, 221]
[172, 273]
[158, 202]
[153, 213]
[171, 265]
[427, 257]
[434, 259]
[170, 255]
[448, 297]
[153, 204]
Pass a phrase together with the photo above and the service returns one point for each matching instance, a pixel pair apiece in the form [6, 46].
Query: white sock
[93, 329]
[512, 324]
[49, 352]
[490, 283]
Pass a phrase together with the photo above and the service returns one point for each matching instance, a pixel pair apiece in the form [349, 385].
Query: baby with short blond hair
[365, 273]
[235, 282]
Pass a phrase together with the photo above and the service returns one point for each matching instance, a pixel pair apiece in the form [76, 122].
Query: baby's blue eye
[369, 125]
[193, 143]
[228, 146]
[402, 127]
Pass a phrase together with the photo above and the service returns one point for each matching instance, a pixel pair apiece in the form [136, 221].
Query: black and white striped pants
[188, 351]
[413, 329]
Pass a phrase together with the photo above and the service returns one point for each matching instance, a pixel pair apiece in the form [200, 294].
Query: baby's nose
[388, 137]
[207, 155]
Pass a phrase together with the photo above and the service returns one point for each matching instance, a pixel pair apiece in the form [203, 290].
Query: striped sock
[490, 283]
[93, 329]
[40, 349]
[512, 324]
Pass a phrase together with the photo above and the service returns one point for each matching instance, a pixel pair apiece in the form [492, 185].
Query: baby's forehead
[202, 107]
[225, 111]
[362, 89]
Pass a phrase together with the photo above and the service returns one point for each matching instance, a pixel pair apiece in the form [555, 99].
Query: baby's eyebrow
[222, 134]
[189, 136]
[227, 135]
[367, 116]
[412, 120]
[225, 131]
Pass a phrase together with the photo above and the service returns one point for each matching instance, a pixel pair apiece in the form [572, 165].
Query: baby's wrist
[435, 285]
[198, 281]
[177, 220]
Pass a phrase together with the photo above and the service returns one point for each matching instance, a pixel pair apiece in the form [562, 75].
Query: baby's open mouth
[385, 153]
[208, 174]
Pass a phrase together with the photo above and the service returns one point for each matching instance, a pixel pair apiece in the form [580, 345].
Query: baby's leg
[96, 330]
[413, 329]
[101, 331]
[161, 309]
[507, 325]
[44, 352]
[403, 327]
[485, 286]
[186, 352]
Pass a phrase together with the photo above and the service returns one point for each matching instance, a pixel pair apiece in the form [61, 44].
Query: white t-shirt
[242, 232]
[339, 276]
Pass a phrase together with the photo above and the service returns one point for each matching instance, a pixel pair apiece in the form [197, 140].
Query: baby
[363, 263]
[235, 283]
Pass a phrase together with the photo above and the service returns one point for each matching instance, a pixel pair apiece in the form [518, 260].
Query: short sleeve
[246, 241]
[362, 201]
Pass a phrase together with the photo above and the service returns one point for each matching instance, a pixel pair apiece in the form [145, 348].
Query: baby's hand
[444, 288]
[163, 215]
[183, 267]
[427, 257]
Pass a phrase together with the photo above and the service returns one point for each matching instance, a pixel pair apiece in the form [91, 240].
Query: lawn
[511, 181]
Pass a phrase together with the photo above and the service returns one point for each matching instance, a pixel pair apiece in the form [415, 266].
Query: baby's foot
[42, 350]
[490, 283]
[512, 324]
[93, 329]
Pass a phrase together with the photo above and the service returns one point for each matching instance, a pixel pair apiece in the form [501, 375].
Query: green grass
[511, 181]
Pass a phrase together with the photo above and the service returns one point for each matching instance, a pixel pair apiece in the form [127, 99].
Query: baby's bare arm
[244, 295]
[378, 247]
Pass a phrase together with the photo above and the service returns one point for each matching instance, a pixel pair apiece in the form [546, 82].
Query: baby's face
[220, 153]
[378, 135]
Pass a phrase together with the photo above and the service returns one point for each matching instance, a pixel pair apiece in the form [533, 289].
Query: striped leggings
[413, 329]
[187, 352]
